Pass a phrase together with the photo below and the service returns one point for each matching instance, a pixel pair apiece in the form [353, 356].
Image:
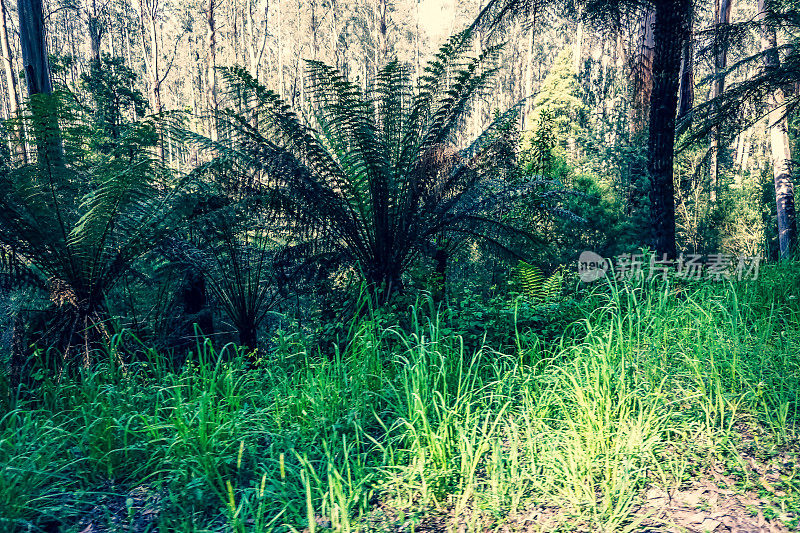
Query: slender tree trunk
[742, 146]
[95, 28]
[441, 258]
[32, 44]
[529, 73]
[112, 51]
[148, 26]
[314, 27]
[577, 48]
[334, 36]
[779, 142]
[720, 49]
[417, 63]
[643, 74]
[668, 35]
[383, 37]
[477, 114]
[211, 82]
[37, 76]
[257, 46]
[686, 91]
[298, 85]
[279, 46]
[11, 84]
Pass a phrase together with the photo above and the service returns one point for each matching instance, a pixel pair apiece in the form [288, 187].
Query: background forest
[310, 265]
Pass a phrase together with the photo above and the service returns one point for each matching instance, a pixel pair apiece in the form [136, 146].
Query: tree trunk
[32, 44]
[248, 336]
[279, 46]
[577, 49]
[148, 26]
[37, 76]
[720, 50]
[643, 74]
[417, 63]
[11, 84]
[383, 38]
[334, 36]
[529, 74]
[779, 142]
[686, 91]
[211, 82]
[95, 28]
[669, 33]
[441, 258]
[314, 26]
[195, 302]
[256, 50]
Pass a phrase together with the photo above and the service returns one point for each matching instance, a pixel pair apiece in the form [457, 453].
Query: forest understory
[663, 407]
[399, 266]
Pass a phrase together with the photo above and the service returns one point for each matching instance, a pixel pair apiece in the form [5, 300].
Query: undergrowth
[647, 388]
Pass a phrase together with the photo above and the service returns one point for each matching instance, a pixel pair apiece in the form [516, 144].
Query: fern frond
[535, 286]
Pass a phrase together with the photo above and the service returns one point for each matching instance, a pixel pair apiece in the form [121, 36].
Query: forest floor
[751, 497]
[653, 407]
[754, 496]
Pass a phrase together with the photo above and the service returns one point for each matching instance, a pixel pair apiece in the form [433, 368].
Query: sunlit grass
[647, 389]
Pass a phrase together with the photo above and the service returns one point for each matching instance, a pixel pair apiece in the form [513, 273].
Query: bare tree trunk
[148, 26]
[417, 63]
[529, 73]
[298, 83]
[383, 37]
[37, 76]
[32, 44]
[720, 48]
[477, 114]
[686, 90]
[743, 144]
[669, 33]
[334, 36]
[641, 89]
[779, 142]
[95, 28]
[11, 83]
[577, 48]
[256, 50]
[643, 73]
[279, 46]
[314, 27]
[211, 82]
[112, 51]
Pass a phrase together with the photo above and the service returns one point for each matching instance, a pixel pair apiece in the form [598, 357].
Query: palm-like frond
[235, 256]
[375, 181]
[78, 224]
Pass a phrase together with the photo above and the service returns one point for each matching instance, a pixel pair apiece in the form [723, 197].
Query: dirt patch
[754, 489]
[706, 507]
[131, 511]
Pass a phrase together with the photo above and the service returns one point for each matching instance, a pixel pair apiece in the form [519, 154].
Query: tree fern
[76, 227]
[375, 181]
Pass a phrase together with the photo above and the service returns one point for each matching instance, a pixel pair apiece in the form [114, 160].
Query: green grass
[650, 388]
